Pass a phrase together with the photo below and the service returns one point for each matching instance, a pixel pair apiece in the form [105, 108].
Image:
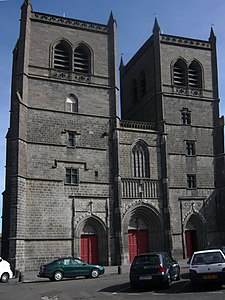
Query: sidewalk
[31, 276]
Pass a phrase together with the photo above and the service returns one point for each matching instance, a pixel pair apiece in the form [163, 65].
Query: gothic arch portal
[195, 234]
[142, 217]
[89, 227]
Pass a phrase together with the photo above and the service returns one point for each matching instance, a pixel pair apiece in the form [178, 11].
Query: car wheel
[194, 286]
[178, 277]
[167, 284]
[58, 275]
[94, 273]
[5, 277]
[133, 285]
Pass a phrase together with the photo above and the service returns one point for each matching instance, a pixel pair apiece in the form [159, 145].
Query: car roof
[207, 251]
[151, 253]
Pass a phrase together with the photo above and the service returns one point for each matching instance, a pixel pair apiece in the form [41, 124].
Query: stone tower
[171, 82]
[58, 197]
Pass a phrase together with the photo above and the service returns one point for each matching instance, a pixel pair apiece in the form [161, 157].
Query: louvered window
[179, 74]
[194, 75]
[81, 60]
[61, 57]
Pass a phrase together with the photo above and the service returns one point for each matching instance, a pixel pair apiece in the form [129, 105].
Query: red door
[89, 248]
[191, 242]
[137, 242]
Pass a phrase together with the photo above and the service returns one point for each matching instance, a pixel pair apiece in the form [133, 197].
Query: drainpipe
[182, 229]
[72, 225]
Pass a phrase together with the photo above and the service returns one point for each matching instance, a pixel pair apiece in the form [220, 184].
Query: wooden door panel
[89, 248]
[137, 242]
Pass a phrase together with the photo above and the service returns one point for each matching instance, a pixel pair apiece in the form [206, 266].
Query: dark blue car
[154, 268]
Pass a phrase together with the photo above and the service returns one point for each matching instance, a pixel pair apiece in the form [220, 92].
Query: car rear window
[149, 259]
[207, 258]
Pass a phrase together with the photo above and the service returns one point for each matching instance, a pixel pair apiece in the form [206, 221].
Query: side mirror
[0, 259]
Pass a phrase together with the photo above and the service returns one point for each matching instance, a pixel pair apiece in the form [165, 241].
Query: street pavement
[31, 276]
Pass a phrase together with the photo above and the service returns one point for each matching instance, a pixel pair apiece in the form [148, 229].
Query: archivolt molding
[83, 217]
[137, 203]
[192, 211]
[87, 215]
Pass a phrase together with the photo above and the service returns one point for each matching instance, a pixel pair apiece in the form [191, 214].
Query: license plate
[211, 276]
[146, 277]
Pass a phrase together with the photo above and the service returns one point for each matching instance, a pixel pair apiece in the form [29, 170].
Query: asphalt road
[105, 287]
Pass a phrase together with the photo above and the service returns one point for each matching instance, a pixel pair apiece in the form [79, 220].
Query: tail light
[160, 269]
[193, 271]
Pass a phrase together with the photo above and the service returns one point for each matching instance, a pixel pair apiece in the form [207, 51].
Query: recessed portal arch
[91, 240]
[142, 231]
[195, 234]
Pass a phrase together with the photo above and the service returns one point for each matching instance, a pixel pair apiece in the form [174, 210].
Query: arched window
[179, 73]
[142, 81]
[194, 75]
[140, 160]
[82, 60]
[71, 104]
[134, 91]
[61, 59]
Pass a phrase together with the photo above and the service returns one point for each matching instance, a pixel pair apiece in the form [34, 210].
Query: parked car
[207, 266]
[5, 271]
[69, 267]
[154, 268]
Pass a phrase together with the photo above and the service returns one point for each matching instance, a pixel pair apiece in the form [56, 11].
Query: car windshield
[147, 259]
[208, 258]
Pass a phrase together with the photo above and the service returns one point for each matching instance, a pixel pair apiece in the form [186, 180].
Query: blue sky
[135, 19]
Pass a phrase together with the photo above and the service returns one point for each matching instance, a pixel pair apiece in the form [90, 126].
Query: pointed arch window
[134, 90]
[179, 73]
[61, 58]
[82, 60]
[140, 160]
[194, 75]
[71, 103]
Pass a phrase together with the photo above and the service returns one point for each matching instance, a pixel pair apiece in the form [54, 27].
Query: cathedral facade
[81, 180]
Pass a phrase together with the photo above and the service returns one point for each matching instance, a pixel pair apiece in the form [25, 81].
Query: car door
[68, 267]
[81, 267]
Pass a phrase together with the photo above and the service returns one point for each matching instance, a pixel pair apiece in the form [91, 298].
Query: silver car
[207, 266]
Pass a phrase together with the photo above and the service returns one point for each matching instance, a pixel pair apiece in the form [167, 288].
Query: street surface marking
[49, 298]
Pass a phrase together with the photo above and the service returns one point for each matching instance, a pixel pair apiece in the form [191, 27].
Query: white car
[207, 266]
[5, 271]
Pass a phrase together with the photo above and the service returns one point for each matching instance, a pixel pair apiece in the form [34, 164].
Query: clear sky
[135, 19]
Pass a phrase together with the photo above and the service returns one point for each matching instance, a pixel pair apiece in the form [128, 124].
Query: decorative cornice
[69, 22]
[184, 41]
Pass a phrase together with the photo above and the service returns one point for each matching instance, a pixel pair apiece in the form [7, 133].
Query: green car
[69, 267]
